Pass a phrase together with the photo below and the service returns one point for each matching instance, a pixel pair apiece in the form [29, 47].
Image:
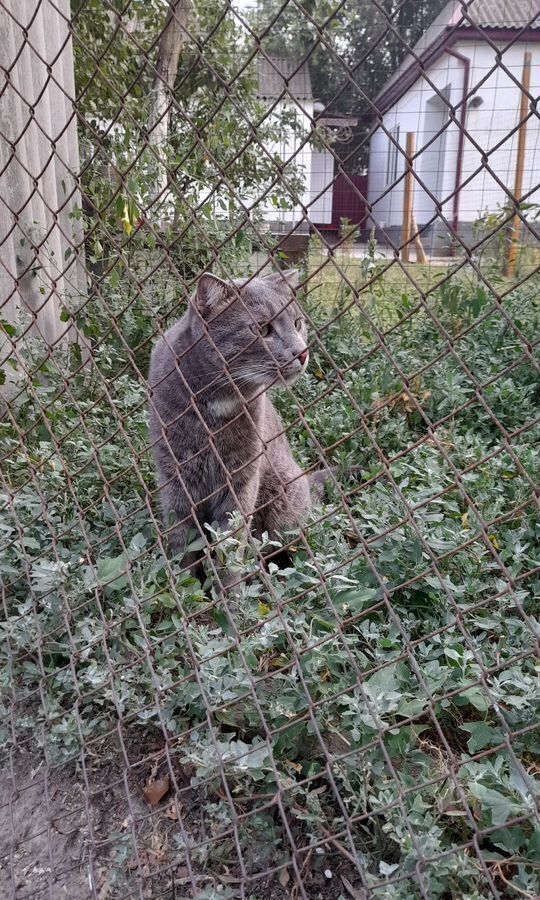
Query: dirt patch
[44, 834]
[87, 830]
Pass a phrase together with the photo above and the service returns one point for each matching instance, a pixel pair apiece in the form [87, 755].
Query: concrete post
[41, 244]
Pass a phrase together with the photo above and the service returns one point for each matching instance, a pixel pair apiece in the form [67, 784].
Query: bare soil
[86, 833]
[84, 830]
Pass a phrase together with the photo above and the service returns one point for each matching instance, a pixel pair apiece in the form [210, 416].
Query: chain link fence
[345, 704]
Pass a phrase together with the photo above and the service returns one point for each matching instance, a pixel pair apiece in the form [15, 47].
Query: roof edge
[389, 96]
[283, 77]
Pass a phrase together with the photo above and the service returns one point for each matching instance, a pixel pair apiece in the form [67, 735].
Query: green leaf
[8, 327]
[510, 840]
[222, 620]
[499, 807]
[166, 600]
[533, 847]
[198, 543]
[476, 697]
[387, 868]
[353, 600]
[382, 682]
[112, 571]
[481, 735]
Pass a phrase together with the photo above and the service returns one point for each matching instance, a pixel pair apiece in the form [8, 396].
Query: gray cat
[218, 442]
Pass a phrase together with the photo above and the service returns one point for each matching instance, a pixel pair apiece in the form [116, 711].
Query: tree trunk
[170, 45]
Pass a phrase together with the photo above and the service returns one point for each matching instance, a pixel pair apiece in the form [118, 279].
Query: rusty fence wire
[347, 706]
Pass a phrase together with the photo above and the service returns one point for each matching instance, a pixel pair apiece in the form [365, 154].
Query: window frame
[392, 156]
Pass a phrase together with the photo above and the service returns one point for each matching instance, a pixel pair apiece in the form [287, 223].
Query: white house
[459, 93]
[285, 85]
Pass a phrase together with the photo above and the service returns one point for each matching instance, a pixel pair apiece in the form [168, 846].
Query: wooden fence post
[408, 198]
[515, 225]
[420, 254]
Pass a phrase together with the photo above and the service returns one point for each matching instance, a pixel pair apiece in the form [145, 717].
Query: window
[392, 158]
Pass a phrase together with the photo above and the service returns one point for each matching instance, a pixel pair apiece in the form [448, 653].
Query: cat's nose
[303, 356]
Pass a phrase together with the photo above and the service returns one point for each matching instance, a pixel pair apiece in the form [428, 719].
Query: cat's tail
[321, 478]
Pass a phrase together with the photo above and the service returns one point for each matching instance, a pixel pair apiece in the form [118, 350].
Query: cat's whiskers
[241, 376]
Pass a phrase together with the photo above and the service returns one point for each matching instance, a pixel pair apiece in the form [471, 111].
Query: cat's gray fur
[218, 442]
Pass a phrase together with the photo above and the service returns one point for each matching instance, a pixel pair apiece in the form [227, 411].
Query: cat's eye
[298, 324]
[262, 330]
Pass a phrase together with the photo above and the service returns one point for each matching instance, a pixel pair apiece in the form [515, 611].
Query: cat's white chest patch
[225, 407]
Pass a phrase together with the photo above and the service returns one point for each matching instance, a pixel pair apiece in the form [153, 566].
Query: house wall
[412, 114]
[421, 111]
[293, 151]
[490, 125]
[321, 188]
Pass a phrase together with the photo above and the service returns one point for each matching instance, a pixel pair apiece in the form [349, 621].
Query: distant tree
[366, 38]
[167, 98]
[353, 48]
[170, 46]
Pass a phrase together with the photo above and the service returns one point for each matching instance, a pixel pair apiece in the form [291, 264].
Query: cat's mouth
[294, 370]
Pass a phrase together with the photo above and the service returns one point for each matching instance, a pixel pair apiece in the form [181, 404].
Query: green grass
[384, 685]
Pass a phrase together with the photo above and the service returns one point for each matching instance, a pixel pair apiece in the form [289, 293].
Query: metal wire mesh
[345, 708]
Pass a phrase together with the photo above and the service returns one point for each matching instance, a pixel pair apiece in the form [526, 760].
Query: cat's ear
[212, 294]
[287, 279]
